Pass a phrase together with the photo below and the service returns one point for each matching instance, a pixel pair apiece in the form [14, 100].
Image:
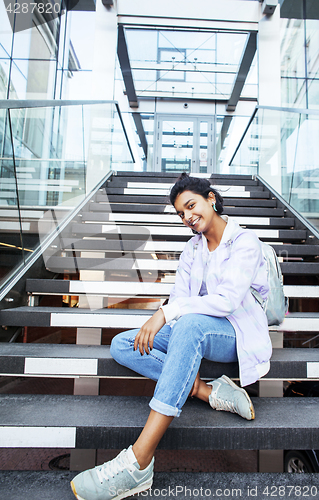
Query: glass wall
[184, 63]
[283, 148]
[299, 61]
[51, 159]
[52, 59]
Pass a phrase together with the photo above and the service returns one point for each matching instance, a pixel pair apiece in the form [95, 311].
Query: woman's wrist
[171, 311]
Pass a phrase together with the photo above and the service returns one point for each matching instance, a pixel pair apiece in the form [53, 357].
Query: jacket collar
[231, 229]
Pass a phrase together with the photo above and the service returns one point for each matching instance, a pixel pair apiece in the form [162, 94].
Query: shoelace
[220, 404]
[110, 469]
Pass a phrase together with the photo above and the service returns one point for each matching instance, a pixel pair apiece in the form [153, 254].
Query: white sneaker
[119, 478]
[227, 396]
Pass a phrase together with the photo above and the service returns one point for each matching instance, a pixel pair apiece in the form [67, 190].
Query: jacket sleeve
[239, 273]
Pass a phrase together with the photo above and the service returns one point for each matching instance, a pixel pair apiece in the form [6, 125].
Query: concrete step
[112, 422]
[167, 185]
[126, 191]
[52, 360]
[174, 175]
[131, 263]
[55, 485]
[163, 200]
[160, 209]
[127, 288]
[176, 220]
[143, 244]
[169, 233]
[213, 178]
[173, 247]
[120, 318]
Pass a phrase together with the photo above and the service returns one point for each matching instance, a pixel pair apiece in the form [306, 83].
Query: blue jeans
[176, 356]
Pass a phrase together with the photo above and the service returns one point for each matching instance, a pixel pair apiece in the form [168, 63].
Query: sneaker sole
[138, 489]
[235, 386]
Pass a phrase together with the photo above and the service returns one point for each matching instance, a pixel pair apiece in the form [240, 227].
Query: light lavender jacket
[235, 265]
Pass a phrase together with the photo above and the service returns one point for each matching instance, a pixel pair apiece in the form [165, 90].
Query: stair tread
[174, 175]
[72, 359]
[174, 219]
[75, 310]
[138, 208]
[71, 244]
[55, 485]
[120, 262]
[165, 193]
[219, 185]
[163, 200]
[120, 318]
[96, 422]
[112, 230]
[75, 287]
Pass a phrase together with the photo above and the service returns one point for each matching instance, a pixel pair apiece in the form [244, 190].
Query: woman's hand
[145, 337]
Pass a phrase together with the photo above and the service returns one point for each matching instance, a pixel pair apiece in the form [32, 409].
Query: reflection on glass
[313, 94]
[203, 146]
[312, 34]
[250, 88]
[10, 235]
[292, 48]
[177, 146]
[77, 85]
[39, 54]
[5, 31]
[284, 149]
[184, 63]
[61, 153]
[18, 80]
[82, 28]
[226, 143]
[4, 77]
[33, 43]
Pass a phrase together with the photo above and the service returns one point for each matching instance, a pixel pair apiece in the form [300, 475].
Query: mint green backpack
[276, 304]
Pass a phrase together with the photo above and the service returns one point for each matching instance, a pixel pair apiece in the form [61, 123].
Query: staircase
[130, 238]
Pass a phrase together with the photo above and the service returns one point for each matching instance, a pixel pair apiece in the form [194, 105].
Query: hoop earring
[214, 207]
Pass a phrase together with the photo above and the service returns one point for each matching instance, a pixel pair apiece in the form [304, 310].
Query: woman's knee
[121, 343]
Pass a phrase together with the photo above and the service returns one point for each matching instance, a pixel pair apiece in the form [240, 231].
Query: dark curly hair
[195, 185]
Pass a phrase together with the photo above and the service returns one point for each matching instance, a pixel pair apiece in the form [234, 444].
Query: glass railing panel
[300, 167]
[122, 156]
[281, 146]
[61, 153]
[11, 245]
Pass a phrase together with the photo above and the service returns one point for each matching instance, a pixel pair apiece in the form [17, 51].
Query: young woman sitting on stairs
[211, 314]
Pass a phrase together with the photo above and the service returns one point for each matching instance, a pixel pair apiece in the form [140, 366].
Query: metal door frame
[196, 119]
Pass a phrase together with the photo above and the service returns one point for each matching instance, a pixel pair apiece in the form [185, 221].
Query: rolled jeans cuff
[164, 409]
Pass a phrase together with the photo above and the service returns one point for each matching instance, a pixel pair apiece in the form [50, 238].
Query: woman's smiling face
[195, 211]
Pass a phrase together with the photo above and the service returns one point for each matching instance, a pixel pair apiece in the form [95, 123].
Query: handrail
[303, 111]
[23, 268]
